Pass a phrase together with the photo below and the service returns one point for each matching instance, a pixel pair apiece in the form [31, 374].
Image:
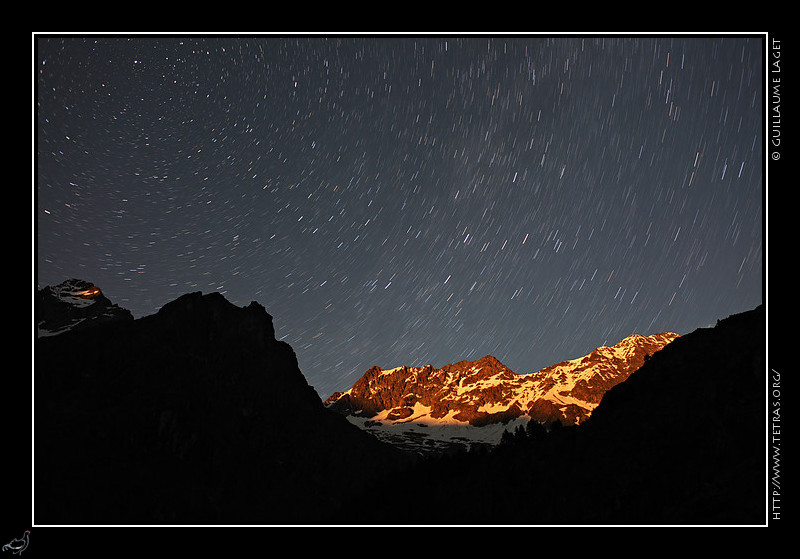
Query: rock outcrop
[485, 391]
[680, 442]
[74, 305]
[193, 415]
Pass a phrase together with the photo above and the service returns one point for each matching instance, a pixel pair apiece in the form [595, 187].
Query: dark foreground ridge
[194, 415]
[198, 415]
[680, 442]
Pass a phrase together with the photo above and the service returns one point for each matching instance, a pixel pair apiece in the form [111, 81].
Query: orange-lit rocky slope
[199, 415]
[485, 393]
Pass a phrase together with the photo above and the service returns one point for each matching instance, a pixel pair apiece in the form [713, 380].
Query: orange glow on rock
[88, 293]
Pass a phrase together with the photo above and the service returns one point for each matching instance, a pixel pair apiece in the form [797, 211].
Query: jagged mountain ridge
[122, 439]
[680, 442]
[193, 415]
[74, 304]
[484, 392]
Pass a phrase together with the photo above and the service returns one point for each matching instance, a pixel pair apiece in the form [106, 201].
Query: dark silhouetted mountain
[194, 415]
[681, 441]
[73, 305]
[198, 415]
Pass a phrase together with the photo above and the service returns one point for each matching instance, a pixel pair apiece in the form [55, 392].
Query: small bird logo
[17, 546]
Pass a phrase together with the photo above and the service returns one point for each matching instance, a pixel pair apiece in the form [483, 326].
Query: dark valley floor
[198, 415]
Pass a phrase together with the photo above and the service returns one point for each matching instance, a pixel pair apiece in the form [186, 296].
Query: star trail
[405, 200]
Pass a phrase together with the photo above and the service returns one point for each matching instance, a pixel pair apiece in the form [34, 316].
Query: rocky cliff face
[73, 305]
[680, 442]
[195, 414]
[485, 391]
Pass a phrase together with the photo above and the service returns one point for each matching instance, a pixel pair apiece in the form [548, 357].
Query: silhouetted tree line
[530, 433]
[676, 444]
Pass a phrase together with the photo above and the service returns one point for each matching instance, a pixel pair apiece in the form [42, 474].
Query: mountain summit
[74, 304]
[195, 414]
[680, 442]
[199, 415]
[487, 393]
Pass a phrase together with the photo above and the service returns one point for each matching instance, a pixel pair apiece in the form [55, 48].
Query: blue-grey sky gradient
[409, 200]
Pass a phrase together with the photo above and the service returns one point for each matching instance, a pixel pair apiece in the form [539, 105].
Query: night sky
[409, 200]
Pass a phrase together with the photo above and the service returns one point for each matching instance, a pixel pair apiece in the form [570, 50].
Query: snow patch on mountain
[73, 304]
[422, 435]
[478, 400]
